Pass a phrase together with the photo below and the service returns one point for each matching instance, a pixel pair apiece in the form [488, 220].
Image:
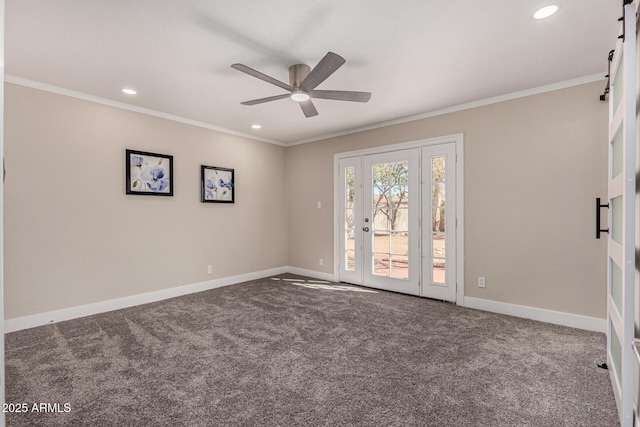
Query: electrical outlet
[321, 261]
[209, 269]
[481, 282]
[318, 205]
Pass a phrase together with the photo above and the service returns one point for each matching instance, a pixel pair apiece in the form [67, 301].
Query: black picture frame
[148, 174]
[217, 185]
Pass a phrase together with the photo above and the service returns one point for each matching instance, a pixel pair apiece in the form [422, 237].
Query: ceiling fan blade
[327, 66]
[261, 76]
[341, 95]
[267, 99]
[308, 108]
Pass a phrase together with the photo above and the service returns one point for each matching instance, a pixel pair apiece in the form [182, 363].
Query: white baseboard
[32, 321]
[311, 273]
[556, 317]
[19, 323]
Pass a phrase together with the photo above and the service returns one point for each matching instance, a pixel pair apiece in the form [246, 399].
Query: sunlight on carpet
[323, 284]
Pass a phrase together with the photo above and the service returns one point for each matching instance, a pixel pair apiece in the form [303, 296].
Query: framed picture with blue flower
[217, 184]
[149, 174]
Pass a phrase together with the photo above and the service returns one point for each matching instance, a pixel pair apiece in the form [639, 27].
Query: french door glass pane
[380, 220]
[381, 242]
[400, 243]
[349, 252]
[399, 266]
[389, 226]
[399, 219]
[438, 241]
[437, 223]
[349, 219]
[438, 244]
[437, 165]
[350, 260]
[438, 194]
[349, 174]
[381, 264]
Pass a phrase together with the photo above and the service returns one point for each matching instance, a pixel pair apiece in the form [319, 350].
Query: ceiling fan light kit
[298, 95]
[302, 82]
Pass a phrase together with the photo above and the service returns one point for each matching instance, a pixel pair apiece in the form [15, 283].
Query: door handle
[598, 207]
[365, 229]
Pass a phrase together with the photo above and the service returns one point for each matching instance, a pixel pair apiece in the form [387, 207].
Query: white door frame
[459, 144]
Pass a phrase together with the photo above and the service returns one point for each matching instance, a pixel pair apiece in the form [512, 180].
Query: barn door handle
[598, 207]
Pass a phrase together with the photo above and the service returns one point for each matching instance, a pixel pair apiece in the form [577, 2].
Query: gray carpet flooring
[277, 352]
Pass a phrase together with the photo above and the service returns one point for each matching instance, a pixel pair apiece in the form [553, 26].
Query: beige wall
[73, 237]
[533, 168]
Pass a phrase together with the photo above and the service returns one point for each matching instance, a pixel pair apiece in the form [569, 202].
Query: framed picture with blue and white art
[217, 184]
[149, 174]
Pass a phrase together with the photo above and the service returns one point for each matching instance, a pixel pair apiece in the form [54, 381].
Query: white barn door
[622, 217]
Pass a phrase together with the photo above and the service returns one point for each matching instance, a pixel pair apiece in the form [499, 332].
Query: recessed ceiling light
[256, 126]
[129, 91]
[545, 12]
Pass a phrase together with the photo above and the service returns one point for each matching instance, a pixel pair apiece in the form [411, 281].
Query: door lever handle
[599, 230]
[365, 229]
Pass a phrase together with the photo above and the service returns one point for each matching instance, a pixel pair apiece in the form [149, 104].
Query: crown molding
[474, 104]
[469, 105]
[124, 106]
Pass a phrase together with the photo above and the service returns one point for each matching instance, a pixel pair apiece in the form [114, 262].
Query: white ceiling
[414, 56]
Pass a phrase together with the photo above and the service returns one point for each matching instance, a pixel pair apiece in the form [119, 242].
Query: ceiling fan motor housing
[297, 73]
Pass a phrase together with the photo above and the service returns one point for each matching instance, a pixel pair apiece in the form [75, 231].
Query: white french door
[397, 220]
[391, 194]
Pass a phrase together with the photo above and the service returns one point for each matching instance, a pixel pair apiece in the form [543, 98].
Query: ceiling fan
[303, 82]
